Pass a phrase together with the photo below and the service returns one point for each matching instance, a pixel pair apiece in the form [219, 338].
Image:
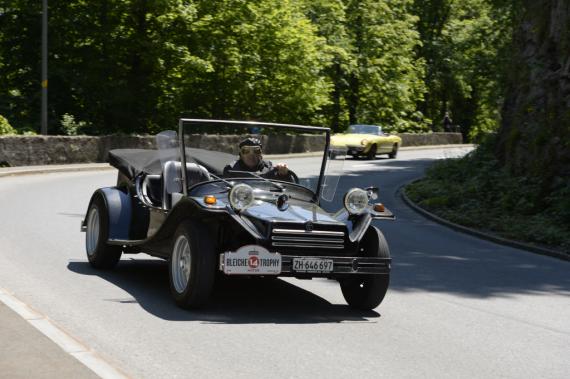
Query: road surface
[457, 306]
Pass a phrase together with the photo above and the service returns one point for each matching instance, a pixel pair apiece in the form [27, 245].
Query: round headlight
[241, 196]
[356, 201]
[364, 142]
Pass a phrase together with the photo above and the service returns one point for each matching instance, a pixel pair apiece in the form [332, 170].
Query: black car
[209, 221]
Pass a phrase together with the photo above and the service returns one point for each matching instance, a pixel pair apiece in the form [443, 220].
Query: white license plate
[251, 260]
[312, 265]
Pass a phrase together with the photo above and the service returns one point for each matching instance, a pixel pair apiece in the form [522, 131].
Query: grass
[475, 191]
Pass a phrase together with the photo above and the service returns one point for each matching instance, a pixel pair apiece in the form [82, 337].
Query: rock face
[535, 135]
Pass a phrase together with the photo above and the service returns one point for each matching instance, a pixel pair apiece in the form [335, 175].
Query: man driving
[251, 160]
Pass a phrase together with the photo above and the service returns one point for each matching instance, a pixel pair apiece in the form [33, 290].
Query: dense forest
[135, 66]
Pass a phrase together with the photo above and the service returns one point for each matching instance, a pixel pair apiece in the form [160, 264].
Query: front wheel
[394, 153]
[192, 266]
[99, 253]
[367, 291]
[372, 152]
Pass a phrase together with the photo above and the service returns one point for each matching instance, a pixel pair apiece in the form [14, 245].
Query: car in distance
[180, 203]
[367, 141]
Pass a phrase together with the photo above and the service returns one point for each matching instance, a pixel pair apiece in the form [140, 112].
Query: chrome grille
[314, 239]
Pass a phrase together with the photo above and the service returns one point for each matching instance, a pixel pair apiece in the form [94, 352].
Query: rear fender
[119, 209]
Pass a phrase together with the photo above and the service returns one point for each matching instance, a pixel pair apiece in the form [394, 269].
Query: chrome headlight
[241, 196]
[356, 201]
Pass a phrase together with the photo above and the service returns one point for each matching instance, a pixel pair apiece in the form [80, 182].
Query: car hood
[350, 139]
[297, 211]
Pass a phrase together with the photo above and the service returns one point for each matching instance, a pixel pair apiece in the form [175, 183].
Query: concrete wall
[46, 150]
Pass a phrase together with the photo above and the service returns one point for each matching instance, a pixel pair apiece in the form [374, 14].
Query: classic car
[368, 141]
[180, 204]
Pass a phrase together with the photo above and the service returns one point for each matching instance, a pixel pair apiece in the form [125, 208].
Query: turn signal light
[379, 207]
[210, 199]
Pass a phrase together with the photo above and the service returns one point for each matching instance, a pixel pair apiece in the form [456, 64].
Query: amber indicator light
[379, 207]
[210, 200]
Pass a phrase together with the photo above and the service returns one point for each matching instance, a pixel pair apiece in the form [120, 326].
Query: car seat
[172, 180]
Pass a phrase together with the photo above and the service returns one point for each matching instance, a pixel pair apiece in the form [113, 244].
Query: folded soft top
[132, 162]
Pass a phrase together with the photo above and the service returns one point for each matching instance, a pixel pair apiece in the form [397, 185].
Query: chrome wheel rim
[181, 264]
[92, 232]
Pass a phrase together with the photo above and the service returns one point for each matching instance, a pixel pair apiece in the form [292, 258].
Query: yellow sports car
[367, 140]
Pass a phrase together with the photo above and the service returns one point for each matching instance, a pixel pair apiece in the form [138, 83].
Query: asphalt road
[457, 306]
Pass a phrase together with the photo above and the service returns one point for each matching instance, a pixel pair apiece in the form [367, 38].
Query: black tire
[366, 292]
[195, 291]
[372, 152]
[99, 253]
[394, 153]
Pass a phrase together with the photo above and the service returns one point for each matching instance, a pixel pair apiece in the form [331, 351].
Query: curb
[31, 170]
[487, 236]
[66, 342]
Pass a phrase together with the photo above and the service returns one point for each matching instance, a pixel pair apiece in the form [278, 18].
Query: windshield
[275, 153]
[365, 129]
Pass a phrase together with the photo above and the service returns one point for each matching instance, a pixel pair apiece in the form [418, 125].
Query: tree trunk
[534, 139]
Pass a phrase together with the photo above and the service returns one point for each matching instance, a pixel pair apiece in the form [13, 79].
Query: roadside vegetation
[134, 66]
[478, 192]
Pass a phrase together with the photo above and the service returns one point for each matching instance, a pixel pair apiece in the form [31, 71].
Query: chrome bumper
[341, 266]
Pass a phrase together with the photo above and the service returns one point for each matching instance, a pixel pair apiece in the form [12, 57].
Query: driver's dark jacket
[264, 169]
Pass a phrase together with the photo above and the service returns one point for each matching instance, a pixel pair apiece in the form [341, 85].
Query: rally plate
[317, 265]
[251, 260]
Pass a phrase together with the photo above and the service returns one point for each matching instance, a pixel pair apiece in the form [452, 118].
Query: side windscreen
[169, 152]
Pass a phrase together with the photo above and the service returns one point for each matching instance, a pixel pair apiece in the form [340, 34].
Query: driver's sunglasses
[251, 150]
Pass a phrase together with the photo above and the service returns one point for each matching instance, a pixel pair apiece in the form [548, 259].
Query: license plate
[251, 260]
[312, 265]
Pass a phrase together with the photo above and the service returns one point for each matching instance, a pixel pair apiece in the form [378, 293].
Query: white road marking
[60, 337]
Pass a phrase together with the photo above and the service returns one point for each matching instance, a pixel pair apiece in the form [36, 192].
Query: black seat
[172, 178]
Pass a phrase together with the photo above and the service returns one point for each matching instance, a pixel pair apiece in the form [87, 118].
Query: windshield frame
[379, 131]
[245, 124]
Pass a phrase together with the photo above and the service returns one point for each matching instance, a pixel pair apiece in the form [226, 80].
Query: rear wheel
[372, 152]
[367, 291]
[99, 253]
[192, 265]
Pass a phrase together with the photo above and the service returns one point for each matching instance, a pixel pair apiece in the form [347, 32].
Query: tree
[372, 65]
[264, 62]
[465, 46]
[534, 139]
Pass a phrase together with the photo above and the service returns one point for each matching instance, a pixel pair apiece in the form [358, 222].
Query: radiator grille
[313, 239]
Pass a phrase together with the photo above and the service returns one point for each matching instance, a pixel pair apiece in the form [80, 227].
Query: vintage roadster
[180, 203]
[367, 141]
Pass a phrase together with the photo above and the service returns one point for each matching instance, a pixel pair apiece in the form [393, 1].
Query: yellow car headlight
[364, 142]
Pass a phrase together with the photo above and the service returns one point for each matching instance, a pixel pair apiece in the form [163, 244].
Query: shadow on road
[426, 257]
[234, 301]
[430, 257]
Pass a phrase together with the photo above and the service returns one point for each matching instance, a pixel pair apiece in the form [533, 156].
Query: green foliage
[5, 127]
[70, 126]
[264, 62]
[477, 191]
[466, 45]
[136, 66]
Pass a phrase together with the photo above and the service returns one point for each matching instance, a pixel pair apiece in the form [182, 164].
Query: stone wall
[411, 139]
[46, 150]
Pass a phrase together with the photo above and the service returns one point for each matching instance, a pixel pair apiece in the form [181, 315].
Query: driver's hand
[282, 169]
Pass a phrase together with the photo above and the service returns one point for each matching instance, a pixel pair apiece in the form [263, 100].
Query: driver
[251, 160]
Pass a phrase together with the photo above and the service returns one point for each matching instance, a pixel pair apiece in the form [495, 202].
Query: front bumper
[354, 150]
[342, 266]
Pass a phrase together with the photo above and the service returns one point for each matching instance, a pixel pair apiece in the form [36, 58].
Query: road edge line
[64, 340]
[486, 236]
